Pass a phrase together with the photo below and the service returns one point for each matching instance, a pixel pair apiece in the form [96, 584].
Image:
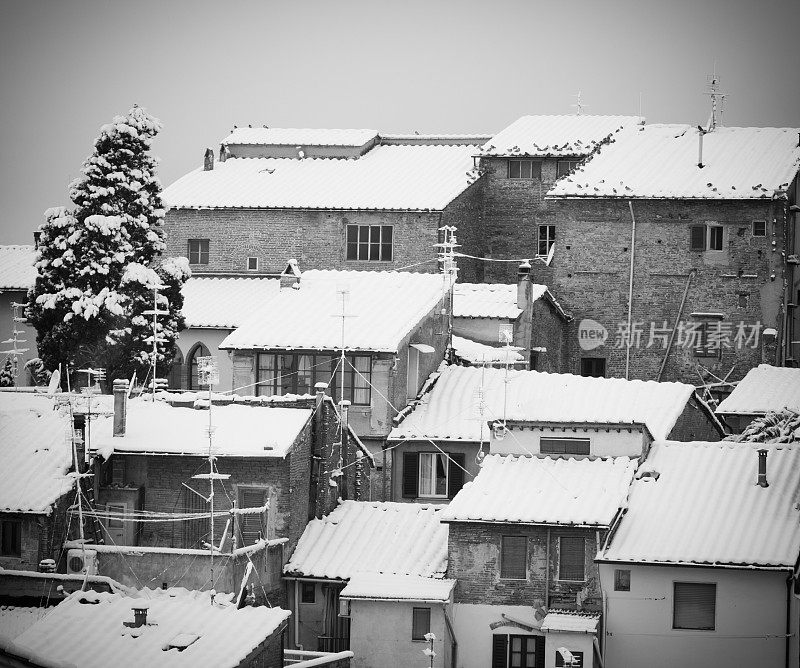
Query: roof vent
[140, 609]
[648, 474]
[762, 468]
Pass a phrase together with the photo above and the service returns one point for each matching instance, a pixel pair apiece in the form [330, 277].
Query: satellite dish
[53, 385]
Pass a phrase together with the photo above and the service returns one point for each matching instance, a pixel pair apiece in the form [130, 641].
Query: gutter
[449, 623]
[679, 564]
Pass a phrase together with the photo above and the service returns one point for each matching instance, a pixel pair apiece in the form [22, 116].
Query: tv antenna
[579, 106]
[717, 99]
[157, 338]
[15, 351]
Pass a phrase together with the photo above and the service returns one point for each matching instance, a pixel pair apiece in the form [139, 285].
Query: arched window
[193, 380]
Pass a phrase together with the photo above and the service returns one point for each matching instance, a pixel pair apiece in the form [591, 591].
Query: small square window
[420, 623]
[694, 606]
[198, 251]
[622, 579]
[252, 264]
[759, 228]
[514, 557]
[308, 592]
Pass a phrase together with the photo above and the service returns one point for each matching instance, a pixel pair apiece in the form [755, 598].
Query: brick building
[522, 543]
[698, 228]
[469, 411]
[36, 486]
[332, 199]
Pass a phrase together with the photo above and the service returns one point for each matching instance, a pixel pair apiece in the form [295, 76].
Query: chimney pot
[762, 468]
[523, 283]
[208, 160]
[120, 405]
[139, 615]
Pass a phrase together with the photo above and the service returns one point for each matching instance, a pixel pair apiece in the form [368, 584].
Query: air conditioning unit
[81, 562]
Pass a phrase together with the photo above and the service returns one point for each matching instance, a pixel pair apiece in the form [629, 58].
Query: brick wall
[591, 273]
[549, 330]
[694, 424]
[466, 213]
[474, 560]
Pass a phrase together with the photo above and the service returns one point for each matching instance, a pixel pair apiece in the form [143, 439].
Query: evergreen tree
[7, 374]
[86, 304]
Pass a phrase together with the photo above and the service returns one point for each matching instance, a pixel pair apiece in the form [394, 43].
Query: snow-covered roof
[224, 302]
[16, 267]
[377, 537]
[450, 411]
[705, 507]
[88, 629]
[15, 619]
[377, 586]
[544, 490]
[35, 453]
[570, 621]
[489, 300]
[660, 161]
[239, 431]
[299, 137]
[475, 352]
[765, 388]
[567, 135]
[383, 307]
[403, 177]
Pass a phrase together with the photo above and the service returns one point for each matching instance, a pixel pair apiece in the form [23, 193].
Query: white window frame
[369, 243]
[753, 228]
[432, 481]
[200, 253]
[249, 268]
[550, 242]
[709, 228]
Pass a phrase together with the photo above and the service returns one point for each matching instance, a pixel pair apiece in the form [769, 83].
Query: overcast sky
[68, 66]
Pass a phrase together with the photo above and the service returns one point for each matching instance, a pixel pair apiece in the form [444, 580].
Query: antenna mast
[717, 99]
[155, 312]
[15, 351]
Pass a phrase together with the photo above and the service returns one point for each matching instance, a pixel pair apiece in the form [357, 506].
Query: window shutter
[572, 553]
[455, 473]
[500, 651]
[698, 237]
[410, 475]
[514, 557]
[538, 659]
[695, 605]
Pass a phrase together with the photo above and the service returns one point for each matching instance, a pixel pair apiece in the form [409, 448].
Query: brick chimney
[523, 285]
[120, 405]
[208, 160]
[762, 468]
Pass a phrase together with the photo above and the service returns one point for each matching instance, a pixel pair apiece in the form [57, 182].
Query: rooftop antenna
[446, 256]
[578, 106]
[155, 312]
[506, 338]
[208, 374]
[717, 99]
[15, 351]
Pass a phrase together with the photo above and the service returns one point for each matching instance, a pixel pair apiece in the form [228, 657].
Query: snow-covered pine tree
[7, 374]
[81, 307]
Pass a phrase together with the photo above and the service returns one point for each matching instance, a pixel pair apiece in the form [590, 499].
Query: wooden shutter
[538, 659]
[513, 557]
[571, 558]
[500, 651]
[694, 605]
[420, 623]
[455, 474]
[410, 475]
[698, 237]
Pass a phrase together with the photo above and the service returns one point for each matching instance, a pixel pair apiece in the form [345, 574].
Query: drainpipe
[630, 292]
[297, 615]
[677, 320]
[454, 644]
[788, 620]
[547, 573]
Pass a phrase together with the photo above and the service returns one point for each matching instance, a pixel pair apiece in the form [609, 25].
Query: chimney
[762, 468]
[523, 284]
[120, 408]
[700, 133]
[139, 615]
[208, 160]
[290, 278]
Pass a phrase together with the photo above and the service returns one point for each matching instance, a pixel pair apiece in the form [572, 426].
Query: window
[194, 379]
[517, 651]
[369, 242]
[251, 526]
[432, 474]
[278, 374]
[622, 579]
[514, 557]
[571, 558]
[252, 264]
[706, 237]
[577, 660]
[524, 169]
[11, 538]
[420, 623]
[707, 336]
[198, 251]
[564, 167]
[759, 228]
[594, 367]
[308, 592]
[694, 606]
[547, 237]
[564, 446]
